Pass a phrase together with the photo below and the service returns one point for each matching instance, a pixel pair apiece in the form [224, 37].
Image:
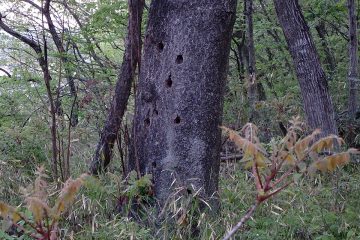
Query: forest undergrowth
[326, 206]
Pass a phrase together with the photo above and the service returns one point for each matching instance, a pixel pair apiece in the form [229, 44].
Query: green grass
[322, 207]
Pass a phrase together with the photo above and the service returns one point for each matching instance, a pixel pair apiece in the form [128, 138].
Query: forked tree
[180, 94]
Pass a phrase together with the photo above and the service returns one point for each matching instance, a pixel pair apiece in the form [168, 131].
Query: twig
[121, 152]
[278, 190]
[246, 217]
[6, 72]
[69, 139]
[258, 174]
[284, 176]
[255, 172]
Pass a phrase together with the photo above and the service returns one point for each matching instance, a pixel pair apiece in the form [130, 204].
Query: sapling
[43, 222]
[288, 159]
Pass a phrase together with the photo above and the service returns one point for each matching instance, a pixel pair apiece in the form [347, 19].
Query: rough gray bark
[353, 76]
[251, 68]
[180, 94]
[131, 59]
[311, 76]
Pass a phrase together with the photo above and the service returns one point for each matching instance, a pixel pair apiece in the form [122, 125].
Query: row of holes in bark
[168, 82]
[177, 120]
[179, 58]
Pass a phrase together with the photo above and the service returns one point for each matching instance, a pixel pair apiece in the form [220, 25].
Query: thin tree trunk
[104, 149]
[180, 94]
[63, 56]
[329, 57]
[43, 62]
[47, 78]
[242, 53]
[274, 33]
[353, 76]
[251, 68]
[311, 76]
[238, 38]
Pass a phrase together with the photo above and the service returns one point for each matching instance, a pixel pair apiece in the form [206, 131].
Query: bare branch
[36, 47]
[246, 217]
[33, 4]
[6, 72]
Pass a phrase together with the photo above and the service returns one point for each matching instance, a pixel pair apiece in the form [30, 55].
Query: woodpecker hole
[168, 82]
[160, 46]
[177, 120]
[147, 121]
[179, 59]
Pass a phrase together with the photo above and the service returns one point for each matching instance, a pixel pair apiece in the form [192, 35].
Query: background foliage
[324, 207]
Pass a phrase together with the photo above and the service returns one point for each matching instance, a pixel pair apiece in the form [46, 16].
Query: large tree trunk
[353, 64]
[311, 76]
[131, 59]
[180, 94]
